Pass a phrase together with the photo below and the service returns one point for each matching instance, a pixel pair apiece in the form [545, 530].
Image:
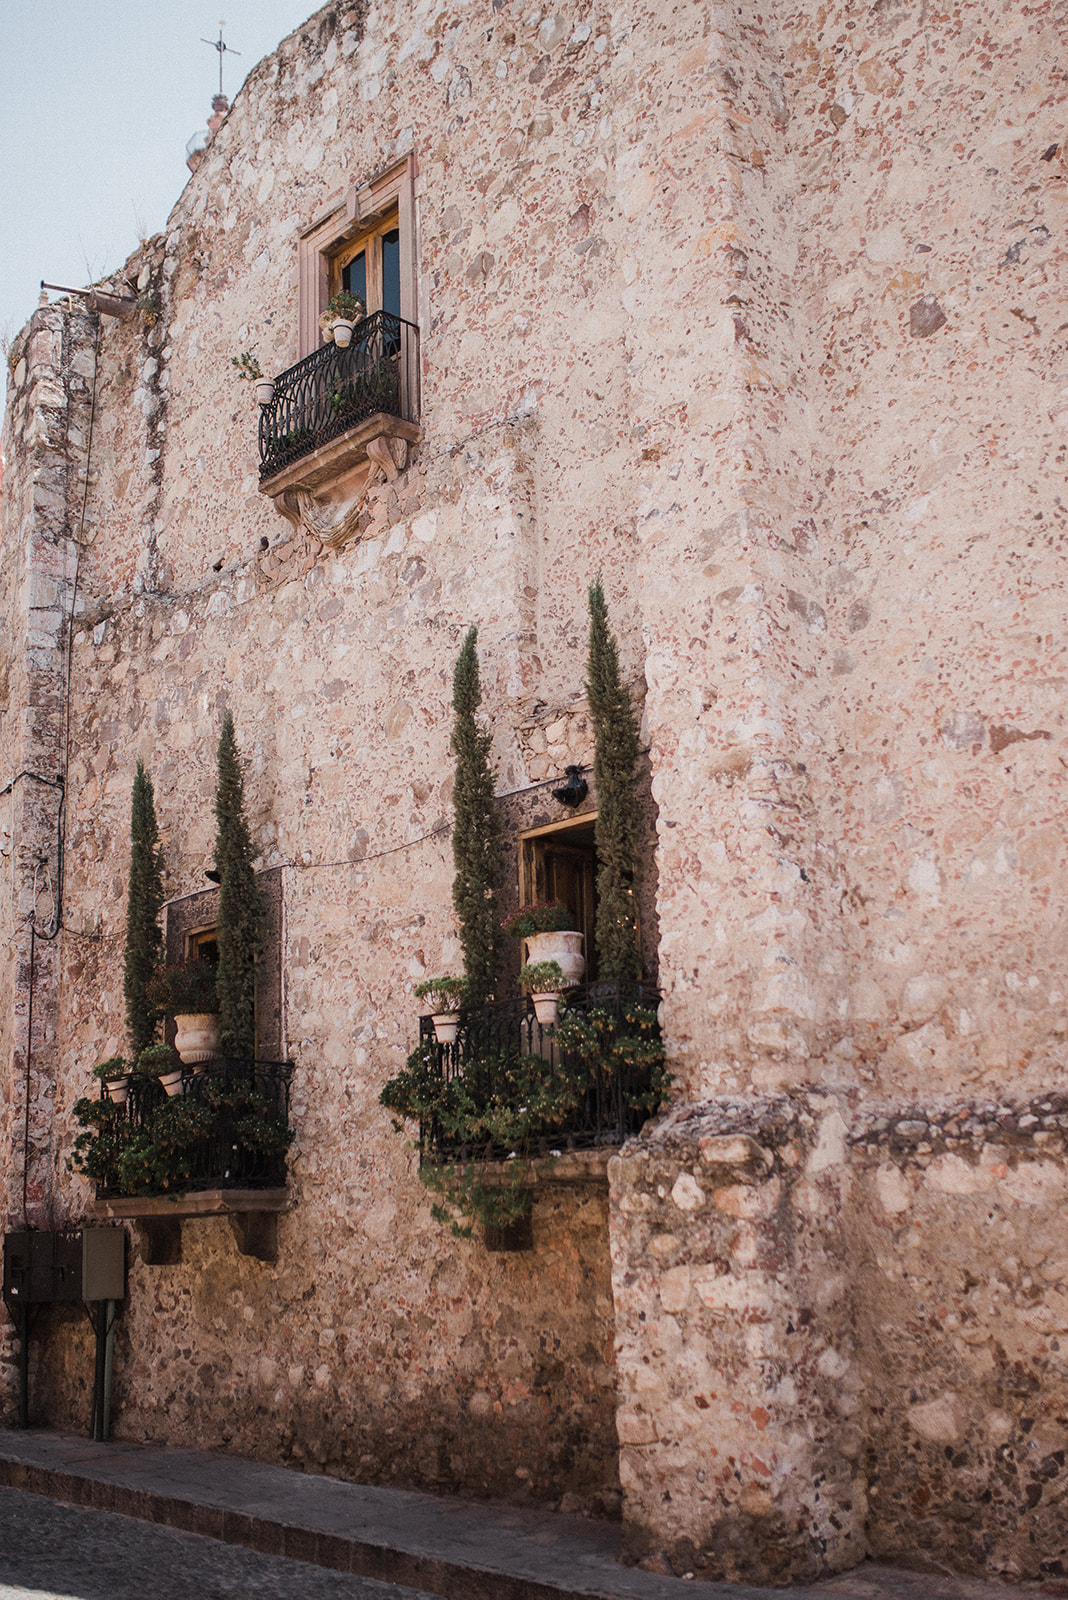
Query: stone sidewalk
[460, 1549]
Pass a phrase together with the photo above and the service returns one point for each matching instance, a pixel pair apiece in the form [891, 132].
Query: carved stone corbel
[333, 523]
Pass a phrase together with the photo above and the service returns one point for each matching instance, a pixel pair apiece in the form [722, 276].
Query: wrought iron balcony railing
[228, 1130]
[616, 1086]
[332, 390]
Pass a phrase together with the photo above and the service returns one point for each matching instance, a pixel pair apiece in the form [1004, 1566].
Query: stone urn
[197, 1036]
[564, 947]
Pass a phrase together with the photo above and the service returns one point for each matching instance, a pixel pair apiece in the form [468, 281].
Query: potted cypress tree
[144, 902]
[241, 908]
[618, 826]
[476, 833]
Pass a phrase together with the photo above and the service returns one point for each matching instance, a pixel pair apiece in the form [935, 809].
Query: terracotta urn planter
[197, 1036]
[446, 1026]
[563, 947]
[118, 1089]
[172, 1082]
[546, 1008]
[264, 392]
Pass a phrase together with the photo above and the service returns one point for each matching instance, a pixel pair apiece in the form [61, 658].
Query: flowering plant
[543, 977]
[542, 916]
[443, 994]
[343, 305]
[114, 1067]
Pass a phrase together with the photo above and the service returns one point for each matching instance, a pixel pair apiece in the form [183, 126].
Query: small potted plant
[187, 993]
[444, 996]
[342, 313]
[162, 1061]
[548, 929]
[544, 980]
[114, 1074]
[249, 369]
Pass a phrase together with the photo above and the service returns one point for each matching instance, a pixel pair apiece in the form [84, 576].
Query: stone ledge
[572, 1168]
[337, 459]
[202, 1203]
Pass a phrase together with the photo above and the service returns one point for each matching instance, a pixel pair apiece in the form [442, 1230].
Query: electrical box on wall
[45, 1268]
[103, 1263]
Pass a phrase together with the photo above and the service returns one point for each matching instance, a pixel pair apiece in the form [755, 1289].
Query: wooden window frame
[367, 209]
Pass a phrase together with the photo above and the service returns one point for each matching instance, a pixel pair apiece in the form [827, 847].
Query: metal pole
[109, 1364]
[97, 1422]
[24, 1368]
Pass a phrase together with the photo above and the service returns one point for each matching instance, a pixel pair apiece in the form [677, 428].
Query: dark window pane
[391, 272]
[354, 278]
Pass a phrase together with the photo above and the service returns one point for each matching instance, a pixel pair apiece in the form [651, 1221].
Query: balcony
[602, 1064]
[229, 1135]
[329, 407]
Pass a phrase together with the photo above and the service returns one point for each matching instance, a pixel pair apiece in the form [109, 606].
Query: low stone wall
[738, 1380]
[844, 1332]
[957, 1219]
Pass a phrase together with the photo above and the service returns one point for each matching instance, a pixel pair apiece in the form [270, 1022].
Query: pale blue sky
[99, 99]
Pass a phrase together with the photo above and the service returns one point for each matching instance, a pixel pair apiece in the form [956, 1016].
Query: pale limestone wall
[931, 189]
[677, 327]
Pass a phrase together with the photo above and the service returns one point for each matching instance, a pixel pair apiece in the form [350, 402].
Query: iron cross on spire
[223, 49]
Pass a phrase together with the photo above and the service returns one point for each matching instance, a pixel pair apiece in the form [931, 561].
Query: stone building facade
[754, 312]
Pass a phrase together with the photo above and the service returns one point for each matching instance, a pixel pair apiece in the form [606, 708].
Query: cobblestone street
[49, 1550]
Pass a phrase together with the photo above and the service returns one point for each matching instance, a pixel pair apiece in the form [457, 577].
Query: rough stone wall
[957, 1214]
[739, 1382]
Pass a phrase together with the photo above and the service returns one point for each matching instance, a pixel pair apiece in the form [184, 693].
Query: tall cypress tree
[618, 826]
[241, 905]
[144, 901]
[476, 832]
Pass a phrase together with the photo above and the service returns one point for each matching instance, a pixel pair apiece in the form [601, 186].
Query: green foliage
[444, 994]
[625, 1047]
[98, 1149]
[157, 1060]
[241, 905]
[248, 366]
[476, 834]
[185, 990]
[541, 916]
[501, 1101]
[618, 826]
[507, 1102]
[113, 1067]
[144, 901]
[343, 305]
[160, 1157]
[543, 977]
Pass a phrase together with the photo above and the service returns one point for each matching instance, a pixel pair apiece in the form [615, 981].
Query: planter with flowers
[114, 1074]
[544, 981]
[187, 993]
[162, 1061]
[444, 996]
[548, 929]
[342, 313]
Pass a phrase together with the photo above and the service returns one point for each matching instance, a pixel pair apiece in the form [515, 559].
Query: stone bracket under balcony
[336, 423]
[323, 493]
[253, 1217]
